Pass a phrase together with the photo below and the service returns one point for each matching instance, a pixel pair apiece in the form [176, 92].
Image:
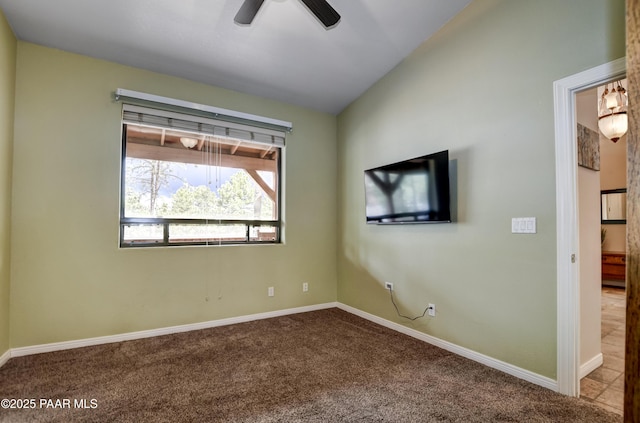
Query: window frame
[166, 223]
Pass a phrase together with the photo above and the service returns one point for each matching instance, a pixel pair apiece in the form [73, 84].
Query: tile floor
[605, 385]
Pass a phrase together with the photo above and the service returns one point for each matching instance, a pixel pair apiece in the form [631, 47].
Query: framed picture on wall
[588, 148]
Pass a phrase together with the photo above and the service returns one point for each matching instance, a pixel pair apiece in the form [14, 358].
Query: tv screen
[411, 191]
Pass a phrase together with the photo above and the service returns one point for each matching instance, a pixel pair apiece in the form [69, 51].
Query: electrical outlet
[388, 285]
[270, 291]
[432, 310]
[305, 287]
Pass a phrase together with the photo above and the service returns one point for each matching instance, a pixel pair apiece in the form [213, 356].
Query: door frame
[568, 277]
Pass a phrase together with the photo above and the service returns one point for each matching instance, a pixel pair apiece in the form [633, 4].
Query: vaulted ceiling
[286, 54]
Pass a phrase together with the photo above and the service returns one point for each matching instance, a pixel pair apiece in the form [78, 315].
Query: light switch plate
[523, 225]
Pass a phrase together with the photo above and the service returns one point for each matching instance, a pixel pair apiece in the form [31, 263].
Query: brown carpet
[323, 366]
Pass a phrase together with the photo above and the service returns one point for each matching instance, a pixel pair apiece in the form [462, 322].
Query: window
[191, 180]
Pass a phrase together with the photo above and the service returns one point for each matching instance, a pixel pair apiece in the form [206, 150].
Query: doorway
[567, 240]
[602, 246]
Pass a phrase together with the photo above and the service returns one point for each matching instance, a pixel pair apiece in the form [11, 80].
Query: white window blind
[198, 125]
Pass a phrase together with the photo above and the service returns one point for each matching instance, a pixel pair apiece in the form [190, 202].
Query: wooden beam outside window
[184, 155]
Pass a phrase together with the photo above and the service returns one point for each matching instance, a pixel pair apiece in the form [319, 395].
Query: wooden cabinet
[613, 266]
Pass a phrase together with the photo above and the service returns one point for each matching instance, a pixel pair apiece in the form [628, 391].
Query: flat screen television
[410, 191]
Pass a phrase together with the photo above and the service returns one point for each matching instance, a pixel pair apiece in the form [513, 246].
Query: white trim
[121, 92]
[66, 345]
[5, 357]
[568, 289]
[456, 349]
[591, 365]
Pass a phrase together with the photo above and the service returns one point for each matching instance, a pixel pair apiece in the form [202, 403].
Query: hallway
[605, 385]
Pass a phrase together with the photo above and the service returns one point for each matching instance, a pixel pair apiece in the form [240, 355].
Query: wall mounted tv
[410, 191]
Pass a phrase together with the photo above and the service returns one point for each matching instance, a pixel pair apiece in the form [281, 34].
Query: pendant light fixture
[612, 112]
[188, 142]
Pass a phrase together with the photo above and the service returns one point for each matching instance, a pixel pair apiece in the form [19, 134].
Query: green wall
[483, 89]
[70, 280]
[8, 47]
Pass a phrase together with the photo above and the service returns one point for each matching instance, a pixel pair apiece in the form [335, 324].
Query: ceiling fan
[320, 8]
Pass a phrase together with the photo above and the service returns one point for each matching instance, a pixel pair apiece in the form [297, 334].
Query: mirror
[614, 206]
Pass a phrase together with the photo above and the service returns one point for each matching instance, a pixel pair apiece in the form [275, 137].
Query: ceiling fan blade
[248, 11]
[323, 11]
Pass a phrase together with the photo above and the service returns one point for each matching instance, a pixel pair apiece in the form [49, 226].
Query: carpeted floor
[322, 366]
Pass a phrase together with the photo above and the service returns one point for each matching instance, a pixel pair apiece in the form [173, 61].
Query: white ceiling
[286, 54]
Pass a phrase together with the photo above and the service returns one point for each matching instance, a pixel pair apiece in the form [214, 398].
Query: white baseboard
[59, 346]
[591, 365]
[5, 357]
[456, 349]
